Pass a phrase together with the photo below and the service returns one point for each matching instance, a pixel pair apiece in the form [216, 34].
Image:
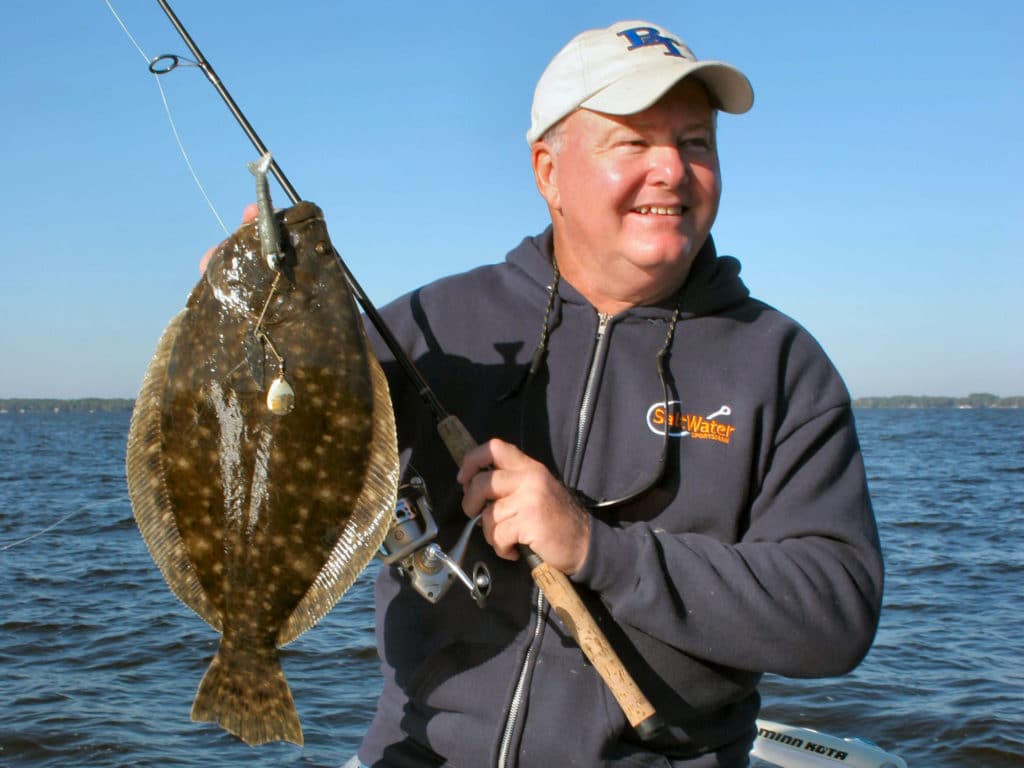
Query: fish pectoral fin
[244, 691]
[368, 525]
[151, 504]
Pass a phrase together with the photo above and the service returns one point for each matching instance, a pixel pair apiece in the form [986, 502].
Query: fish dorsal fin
[147, 485]
[368, 525]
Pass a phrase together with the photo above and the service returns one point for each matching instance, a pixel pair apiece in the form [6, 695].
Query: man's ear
[545, 173]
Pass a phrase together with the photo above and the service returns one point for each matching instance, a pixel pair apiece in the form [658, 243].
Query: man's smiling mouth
[657, 210]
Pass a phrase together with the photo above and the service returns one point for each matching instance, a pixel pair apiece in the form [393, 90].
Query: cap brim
[730, 90]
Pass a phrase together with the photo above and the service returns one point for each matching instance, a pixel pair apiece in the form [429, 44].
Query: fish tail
[245, 691]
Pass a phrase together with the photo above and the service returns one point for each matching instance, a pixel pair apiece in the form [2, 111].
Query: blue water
[99, 661]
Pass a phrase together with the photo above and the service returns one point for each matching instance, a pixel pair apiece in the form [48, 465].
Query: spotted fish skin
[260, 522]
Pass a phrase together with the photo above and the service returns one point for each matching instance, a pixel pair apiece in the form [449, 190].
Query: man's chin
[662, 252]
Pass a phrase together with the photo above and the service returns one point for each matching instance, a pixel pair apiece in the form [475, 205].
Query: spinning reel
[410, 544]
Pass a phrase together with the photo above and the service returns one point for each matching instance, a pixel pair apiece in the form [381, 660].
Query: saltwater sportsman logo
[641, 37]
[662, 417]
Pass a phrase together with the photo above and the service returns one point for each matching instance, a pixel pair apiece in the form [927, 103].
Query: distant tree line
[80, 405]
[976, 400]
[107, 404]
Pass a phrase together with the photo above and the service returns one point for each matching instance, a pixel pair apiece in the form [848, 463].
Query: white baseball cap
[624, 69]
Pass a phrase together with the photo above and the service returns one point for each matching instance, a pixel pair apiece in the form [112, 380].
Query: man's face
[633, 197]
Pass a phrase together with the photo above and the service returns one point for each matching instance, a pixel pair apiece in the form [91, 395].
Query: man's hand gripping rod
[575, 617]
[556, 585]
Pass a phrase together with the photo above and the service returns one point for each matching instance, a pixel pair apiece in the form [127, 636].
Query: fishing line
[174, 62]
[50, 527]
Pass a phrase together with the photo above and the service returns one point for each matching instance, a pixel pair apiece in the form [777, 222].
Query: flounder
[262, 463]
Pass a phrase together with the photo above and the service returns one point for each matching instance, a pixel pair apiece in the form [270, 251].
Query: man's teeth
[675, 210]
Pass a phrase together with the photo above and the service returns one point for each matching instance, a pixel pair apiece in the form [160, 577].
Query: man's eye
[696, 143]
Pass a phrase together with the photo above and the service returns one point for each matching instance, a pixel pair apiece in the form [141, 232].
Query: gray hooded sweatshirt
[755, 551]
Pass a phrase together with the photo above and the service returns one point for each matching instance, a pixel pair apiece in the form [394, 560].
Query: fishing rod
[157, 68]
[556, 586]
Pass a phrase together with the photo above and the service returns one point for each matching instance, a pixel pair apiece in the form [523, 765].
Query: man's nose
[668, 166]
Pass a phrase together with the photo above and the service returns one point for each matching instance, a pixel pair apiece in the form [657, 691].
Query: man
[686, 454]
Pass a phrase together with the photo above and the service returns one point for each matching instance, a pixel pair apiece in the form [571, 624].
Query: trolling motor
[410, 545]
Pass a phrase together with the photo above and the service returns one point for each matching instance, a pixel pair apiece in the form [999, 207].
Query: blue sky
[874, 192]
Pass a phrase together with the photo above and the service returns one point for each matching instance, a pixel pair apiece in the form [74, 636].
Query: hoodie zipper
[517, 697]
[585, 409]
[587, 405]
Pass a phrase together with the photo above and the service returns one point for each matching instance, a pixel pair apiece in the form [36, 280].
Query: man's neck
[629, 287]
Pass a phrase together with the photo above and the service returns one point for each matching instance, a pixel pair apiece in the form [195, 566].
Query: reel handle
[574, 615]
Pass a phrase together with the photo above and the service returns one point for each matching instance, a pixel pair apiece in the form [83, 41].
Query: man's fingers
[484, 488]
[206, 259]
[494, 453]
[521, 502]
[501, 534]
[478, 459]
